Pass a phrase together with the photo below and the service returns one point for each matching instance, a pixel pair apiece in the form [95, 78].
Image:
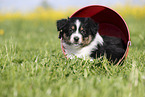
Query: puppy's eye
[71, 30]
[83, 31]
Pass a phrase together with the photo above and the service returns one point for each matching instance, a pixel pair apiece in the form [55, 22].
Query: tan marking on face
[66, 38]
[73, 27]
[82, 28]
[87, 41]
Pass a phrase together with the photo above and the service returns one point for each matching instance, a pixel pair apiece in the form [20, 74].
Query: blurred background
[55, 9]
[22, 19]
[30, 5]
[32, 62]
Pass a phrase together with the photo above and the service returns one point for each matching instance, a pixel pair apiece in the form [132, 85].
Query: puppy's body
[112, 47]
[80, 38]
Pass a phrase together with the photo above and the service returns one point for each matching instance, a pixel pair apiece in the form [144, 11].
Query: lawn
[33, 65]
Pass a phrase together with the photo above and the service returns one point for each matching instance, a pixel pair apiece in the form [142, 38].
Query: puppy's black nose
[76, 39]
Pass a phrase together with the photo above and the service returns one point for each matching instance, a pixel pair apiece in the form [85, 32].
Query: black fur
[91, 26]
[113, 48]
[60, 26]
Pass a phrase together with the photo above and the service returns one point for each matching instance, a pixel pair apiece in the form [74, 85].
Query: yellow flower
[50, 14]
[1, 32]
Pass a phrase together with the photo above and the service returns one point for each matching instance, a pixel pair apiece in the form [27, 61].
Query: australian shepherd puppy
[80, 38]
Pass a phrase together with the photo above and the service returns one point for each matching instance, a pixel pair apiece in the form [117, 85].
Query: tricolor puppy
[80, 38]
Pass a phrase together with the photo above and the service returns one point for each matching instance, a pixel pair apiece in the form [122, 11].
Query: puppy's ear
[60, 26]
[94, 28]
[92, 25]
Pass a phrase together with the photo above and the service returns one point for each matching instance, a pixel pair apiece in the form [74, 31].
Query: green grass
[33, 65]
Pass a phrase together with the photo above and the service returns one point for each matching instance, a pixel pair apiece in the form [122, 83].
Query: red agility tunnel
[110, 23]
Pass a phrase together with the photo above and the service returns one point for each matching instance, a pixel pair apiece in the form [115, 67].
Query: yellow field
[137, 12]
[50, 14]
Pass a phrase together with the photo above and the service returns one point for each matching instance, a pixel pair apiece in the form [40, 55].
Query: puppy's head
[77, 31]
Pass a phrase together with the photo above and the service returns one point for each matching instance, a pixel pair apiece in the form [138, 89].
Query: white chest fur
[73, 51]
